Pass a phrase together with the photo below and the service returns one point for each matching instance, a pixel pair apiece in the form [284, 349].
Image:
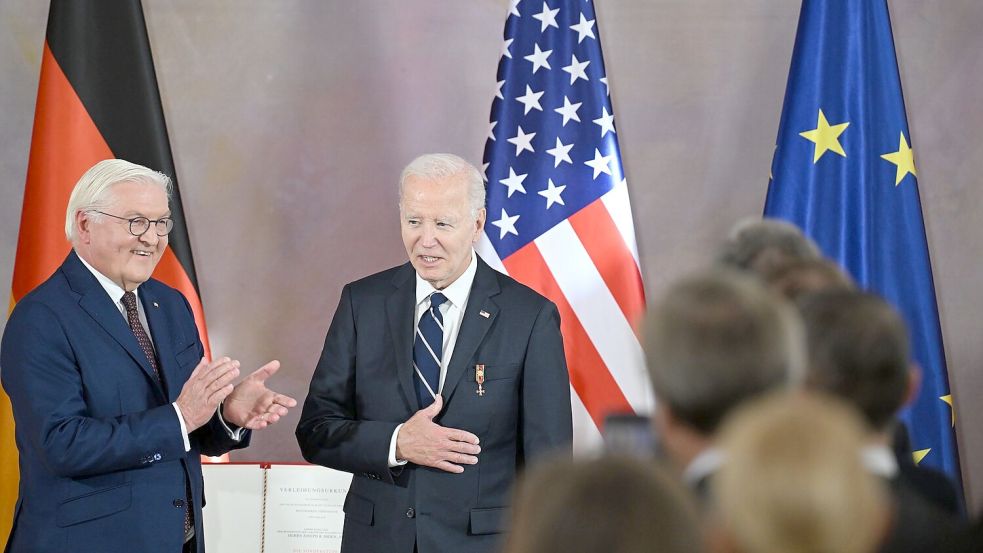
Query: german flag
[97, 99]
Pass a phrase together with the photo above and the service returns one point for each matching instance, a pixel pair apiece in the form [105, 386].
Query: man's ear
[914, 383]
[83, 221]
[479, 224]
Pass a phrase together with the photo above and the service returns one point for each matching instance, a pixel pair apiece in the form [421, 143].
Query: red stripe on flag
[589, 375]
[170, 271]
[64, 145]
[614, 261]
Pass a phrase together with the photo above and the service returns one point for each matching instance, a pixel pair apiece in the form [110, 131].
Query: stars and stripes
[558, 210]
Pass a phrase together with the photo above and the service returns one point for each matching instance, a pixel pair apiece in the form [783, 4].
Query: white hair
[438, 166]
[93, 190]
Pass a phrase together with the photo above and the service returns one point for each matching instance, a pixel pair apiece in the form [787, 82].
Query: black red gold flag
[97, 99]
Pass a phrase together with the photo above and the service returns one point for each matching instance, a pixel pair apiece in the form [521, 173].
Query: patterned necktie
[427, 350]
[133, 318]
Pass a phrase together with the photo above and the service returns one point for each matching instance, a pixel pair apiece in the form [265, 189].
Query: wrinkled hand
[208, 385]
[423, 442]
[252, 405]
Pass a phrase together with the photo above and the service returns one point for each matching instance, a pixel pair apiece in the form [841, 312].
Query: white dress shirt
[452, 312]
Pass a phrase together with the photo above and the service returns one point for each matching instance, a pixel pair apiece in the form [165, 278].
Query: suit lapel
[163, 343]
[400, 313]
[99, 306]
[478, 318]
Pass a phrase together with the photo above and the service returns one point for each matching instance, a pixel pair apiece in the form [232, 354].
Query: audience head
[858, 350]
[716, 339]
[793, 480]
[609, 504]
[759, 245]
[800, 277]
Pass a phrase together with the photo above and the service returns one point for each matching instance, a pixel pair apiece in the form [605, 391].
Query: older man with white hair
[439, 380]
[113, 399]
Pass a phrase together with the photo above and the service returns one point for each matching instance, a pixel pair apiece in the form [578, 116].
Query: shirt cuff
[393, 461]
[184, 428]
[234, 434]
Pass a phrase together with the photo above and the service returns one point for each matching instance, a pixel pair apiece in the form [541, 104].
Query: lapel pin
[155, 304]
[484, 313]
[479, 377]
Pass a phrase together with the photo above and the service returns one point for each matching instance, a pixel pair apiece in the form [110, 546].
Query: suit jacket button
[410, 513]
[179, 503]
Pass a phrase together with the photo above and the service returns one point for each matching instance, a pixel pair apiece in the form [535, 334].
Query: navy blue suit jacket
[102, 460]
[363, 388]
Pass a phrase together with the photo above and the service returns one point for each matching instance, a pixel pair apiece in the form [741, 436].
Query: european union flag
[844, 171]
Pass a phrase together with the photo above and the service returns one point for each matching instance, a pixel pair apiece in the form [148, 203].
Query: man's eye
[412, 222]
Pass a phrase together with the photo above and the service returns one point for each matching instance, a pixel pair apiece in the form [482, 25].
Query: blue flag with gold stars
[844, 171]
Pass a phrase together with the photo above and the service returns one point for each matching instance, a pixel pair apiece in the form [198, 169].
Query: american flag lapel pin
[484, 313]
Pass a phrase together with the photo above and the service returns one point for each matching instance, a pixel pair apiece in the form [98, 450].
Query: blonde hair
[793, 480]
[92, 192]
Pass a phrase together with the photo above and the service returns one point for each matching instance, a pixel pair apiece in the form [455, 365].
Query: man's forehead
[138, 196]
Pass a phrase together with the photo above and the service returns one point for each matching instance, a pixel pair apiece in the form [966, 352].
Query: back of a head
[858, 350]
[801, 277]
[793, 480]
[759, 245]
[716, 339]
[609, 504]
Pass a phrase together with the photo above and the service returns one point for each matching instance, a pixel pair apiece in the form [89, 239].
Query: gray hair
[717, 339]
[439, 166]
[759, 245]
[93, 190]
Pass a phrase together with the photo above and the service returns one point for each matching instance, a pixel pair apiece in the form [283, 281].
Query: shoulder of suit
[386, 279]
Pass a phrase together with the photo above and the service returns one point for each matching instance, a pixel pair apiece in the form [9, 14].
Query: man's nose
[149, 237]
[429, 236]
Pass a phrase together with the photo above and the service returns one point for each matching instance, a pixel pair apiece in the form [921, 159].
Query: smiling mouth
[142, 253]
[429, 259]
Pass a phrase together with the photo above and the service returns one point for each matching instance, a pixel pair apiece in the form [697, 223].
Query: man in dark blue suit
[438, 381]
[113, 400]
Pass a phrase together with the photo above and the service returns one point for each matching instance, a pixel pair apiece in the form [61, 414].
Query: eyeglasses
[140, 225]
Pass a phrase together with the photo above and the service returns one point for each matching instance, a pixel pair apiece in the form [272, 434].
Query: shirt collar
[111, 288]
[880, 460]
[456, 292]
[704, 464]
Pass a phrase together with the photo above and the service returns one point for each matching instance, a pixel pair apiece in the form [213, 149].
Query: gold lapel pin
[479, 377]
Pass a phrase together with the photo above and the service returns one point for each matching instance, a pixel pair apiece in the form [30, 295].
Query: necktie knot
[436, 300]
[130, 302]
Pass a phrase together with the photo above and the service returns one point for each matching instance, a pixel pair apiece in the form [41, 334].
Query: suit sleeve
[41, 376]
[545, 423]
[329, 432]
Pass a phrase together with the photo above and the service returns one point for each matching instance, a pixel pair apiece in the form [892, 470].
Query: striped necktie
[427, 350]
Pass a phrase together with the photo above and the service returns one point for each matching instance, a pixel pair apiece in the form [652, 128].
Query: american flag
[559, 218]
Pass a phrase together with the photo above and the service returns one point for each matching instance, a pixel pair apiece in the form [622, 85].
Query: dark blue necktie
[427, 348]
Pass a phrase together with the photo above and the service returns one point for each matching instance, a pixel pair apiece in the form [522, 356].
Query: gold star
[904, 158]
[920, 454]
[825, 137]
[948, 399]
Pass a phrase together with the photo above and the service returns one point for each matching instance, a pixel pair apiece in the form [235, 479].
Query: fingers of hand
[217, 396]
[449, 467]
[462, 436]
